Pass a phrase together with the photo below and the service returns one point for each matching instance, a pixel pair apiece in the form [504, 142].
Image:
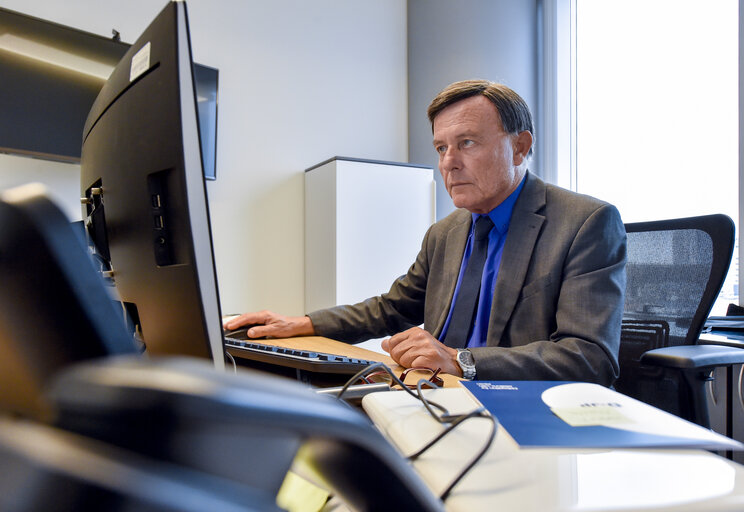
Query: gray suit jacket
[558, 299]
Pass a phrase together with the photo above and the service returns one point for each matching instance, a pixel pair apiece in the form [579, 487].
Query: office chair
[54, 308]
[243, 429]
[46, 468]
[87, 422]
[675, 271]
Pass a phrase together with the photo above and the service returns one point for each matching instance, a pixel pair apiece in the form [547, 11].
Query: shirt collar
[501, 215]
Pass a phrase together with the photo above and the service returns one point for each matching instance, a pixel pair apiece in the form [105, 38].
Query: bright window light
[657, 116]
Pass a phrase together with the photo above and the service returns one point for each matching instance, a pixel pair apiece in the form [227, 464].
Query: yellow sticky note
[298, 495]
[599, 415]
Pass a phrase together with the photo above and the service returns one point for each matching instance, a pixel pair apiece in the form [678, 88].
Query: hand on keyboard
[268, 323]
[295, 358]
[240, 334]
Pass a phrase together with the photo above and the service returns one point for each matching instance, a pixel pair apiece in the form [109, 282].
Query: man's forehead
[467, 114]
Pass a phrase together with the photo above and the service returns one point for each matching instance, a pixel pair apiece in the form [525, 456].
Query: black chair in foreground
[54, 308]
[675, 271]
[88, 423]
[46, 468]
[244, 429]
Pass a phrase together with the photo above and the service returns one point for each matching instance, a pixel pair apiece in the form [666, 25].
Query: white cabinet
[364, 223]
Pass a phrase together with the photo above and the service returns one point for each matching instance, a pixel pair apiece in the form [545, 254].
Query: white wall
[299, 82]
[61, 179]
[449, 41]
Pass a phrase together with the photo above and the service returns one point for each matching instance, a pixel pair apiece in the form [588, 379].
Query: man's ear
[521, 144]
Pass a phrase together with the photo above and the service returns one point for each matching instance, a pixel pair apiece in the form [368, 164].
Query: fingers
[385, 345]
[416, 348]
[263, 331]
[389, 344]
[268, 324]
[235, 322]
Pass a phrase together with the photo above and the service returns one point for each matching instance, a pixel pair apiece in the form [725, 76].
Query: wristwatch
[467, 363]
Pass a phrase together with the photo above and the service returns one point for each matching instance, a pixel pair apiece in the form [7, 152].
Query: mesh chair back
[675, 271]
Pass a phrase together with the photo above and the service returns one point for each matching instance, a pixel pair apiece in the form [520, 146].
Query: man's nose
[451, 160]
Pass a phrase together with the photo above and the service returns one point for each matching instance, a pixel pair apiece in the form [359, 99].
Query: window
[656, 110]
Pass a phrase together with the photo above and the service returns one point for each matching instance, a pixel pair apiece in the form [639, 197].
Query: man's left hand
[418, 349]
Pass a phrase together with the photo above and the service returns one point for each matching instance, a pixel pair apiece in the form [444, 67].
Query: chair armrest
[693, 357]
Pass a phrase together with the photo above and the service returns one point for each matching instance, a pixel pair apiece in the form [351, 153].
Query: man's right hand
[268, 323]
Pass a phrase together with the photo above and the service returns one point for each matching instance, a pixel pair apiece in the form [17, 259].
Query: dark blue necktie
[463, 314]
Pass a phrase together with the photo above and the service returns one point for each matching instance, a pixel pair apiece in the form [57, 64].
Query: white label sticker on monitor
[140, 62]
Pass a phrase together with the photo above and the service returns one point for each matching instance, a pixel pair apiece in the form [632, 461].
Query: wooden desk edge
[321, 344]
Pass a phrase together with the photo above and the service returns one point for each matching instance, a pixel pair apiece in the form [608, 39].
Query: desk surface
[551, 479]
[735, 340]
[320, 344]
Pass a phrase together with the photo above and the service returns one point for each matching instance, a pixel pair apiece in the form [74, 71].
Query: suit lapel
[524, 229]
[457, 238]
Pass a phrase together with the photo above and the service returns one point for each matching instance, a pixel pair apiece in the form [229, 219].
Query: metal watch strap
[467, 365]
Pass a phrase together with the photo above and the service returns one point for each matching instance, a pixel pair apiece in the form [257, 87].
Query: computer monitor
[145, 199]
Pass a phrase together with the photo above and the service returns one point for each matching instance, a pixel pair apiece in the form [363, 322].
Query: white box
[364, 223]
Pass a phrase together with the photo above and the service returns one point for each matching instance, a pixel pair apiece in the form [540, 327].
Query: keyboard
[319, 362]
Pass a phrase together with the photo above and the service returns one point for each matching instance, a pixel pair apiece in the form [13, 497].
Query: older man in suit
[524, 281]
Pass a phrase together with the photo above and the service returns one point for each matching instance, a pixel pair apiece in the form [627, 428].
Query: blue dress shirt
[500, 216]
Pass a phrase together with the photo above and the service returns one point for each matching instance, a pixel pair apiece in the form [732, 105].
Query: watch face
[466, 357]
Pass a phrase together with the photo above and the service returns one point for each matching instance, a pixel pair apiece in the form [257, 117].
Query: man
[524, 281]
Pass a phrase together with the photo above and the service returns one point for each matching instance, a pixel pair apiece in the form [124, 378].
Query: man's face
[478, 160]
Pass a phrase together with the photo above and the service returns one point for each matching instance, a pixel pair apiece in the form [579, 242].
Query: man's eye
[467, 143]
[441, 149]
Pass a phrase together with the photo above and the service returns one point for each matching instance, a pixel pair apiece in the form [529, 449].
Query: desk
[321, 344]
[542, 479]
[726, 392]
